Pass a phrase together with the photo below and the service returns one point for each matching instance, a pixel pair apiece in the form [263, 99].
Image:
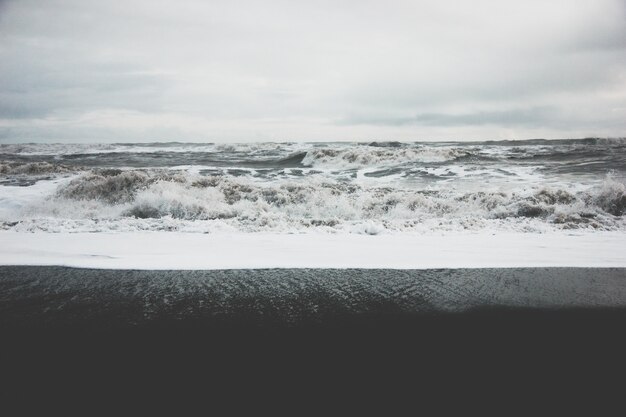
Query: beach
[251, 208]
[294, 333]
[99, 299]
[272, 272]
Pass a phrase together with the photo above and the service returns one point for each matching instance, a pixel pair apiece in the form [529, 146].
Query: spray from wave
[372, 188]
[114, 199]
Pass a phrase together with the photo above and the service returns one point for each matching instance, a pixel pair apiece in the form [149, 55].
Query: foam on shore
[174, 250]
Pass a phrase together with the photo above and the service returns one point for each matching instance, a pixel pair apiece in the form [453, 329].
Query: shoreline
[41, 296]
[199, 251]
[73, 334]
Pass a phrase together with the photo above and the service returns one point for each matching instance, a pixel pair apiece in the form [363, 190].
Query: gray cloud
[38, 82]
[89, 70]
[545, 116]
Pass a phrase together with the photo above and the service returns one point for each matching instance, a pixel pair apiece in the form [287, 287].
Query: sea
[380, 187]
[496, 261]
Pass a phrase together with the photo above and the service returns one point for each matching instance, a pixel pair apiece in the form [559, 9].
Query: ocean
[530, 186]
[279, 271]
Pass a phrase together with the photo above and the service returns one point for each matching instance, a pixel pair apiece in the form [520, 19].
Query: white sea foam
[102, 200]
[172, 250]
[39, 149]
[361, 156]
[336, 188]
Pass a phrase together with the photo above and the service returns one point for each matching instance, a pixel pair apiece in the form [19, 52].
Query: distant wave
[320, 155]
[354, 157]
[33, 168]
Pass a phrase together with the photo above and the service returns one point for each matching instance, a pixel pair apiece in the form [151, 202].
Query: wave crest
[352, 157]
[33, 168]
[110, 196]
[114, 185]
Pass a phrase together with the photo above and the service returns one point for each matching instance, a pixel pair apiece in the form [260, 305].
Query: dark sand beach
[100, 300]
[528, 332]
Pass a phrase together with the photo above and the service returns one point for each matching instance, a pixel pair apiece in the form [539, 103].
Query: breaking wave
[375, 155]
[33, 168]
[115, 185]
[24, 174]
[370, 188]
[113, 199]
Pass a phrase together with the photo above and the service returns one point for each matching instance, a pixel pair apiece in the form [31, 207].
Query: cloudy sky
[213, 70]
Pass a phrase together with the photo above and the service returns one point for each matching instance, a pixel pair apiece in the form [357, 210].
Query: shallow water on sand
[70, 297]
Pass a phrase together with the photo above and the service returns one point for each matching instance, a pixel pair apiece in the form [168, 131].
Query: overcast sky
[213, 70]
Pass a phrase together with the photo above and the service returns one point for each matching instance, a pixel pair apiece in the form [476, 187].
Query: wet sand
[99, 299]
[289, 332]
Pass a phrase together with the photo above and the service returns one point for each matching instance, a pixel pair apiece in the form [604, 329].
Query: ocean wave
[581, 157]
[69, 149]
[369, 188]
[356, 157]
[33, 168]
[26, 149]
[115, 185]
[112, 199]
[25, 174]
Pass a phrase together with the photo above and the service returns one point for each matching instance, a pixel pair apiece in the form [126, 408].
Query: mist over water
[379, 187]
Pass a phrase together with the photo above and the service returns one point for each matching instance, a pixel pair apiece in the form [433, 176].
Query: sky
[316, 70]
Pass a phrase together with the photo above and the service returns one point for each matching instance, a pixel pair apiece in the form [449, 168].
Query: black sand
[290, 332]
[97, 300]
